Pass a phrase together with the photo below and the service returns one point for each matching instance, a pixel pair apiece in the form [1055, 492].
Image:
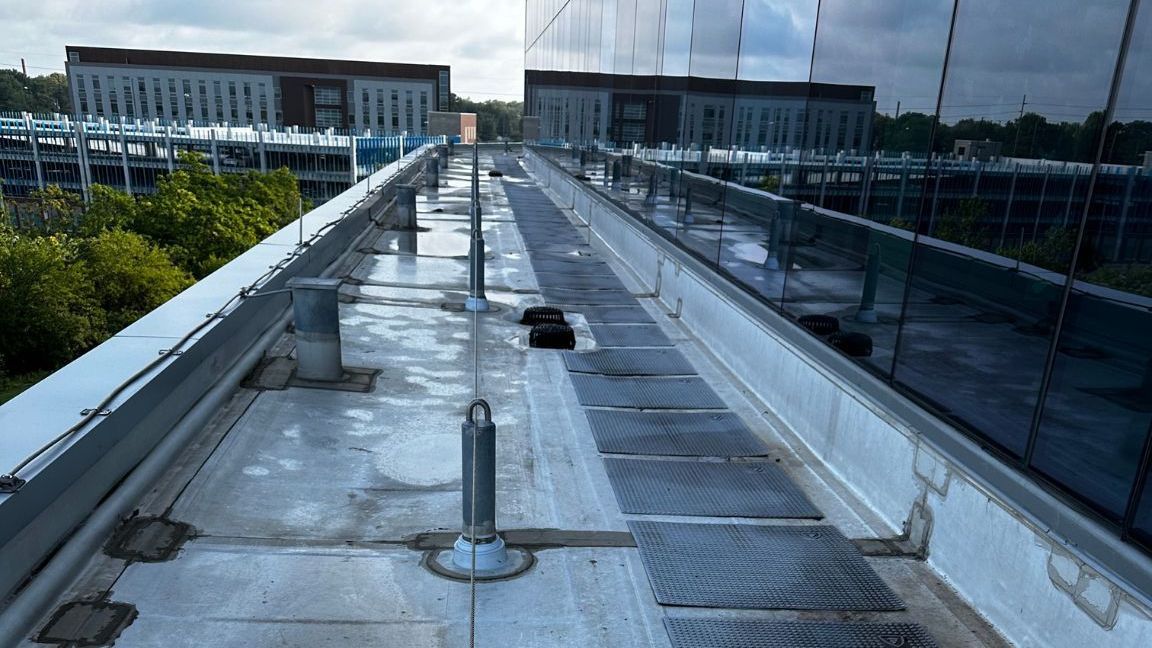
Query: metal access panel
[719, 633]
[629, 336]
[630, 362]
[578, 282]
[645, 392]
[745, 489]
[595, 297]
[609, 314]
[691, 434]
[758, 567]
[551, 262]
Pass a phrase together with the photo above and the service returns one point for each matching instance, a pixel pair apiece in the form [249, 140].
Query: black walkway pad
[738, 633]
[630, 362]
[691, 434]
[589, 297]
[744, 489]
[758, 567]
[645, 335]
[645, 393]
[578, 282]
[609, 314]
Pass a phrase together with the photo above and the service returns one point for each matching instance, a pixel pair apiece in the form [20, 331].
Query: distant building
[982, 150]
[243, 90]
[453, 125]
[753, 115]
[1148, 160]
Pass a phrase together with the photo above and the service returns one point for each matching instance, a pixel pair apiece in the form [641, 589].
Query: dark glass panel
[1098, 406]
[990, 263]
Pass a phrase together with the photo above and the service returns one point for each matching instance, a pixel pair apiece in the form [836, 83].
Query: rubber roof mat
[609, 314]
[589, 297]
[685, 434]
[753, 489]
[578, 282]
[629, 362]
[742, 633]
[758, 567]
[629, 335]
[645, 392]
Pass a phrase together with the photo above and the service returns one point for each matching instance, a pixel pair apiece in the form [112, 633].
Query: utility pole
[1016, 145]
[23, 66]
[897, 109]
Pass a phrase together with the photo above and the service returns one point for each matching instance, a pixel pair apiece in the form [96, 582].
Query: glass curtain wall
[952, 192]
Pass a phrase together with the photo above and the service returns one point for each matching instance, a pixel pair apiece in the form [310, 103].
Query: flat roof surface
[312, 509]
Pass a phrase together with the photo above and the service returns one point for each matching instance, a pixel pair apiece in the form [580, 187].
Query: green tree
[58, 209]
[961, 224]
[205, 220]
[41, 94]
[48, 310]
[108, 209]
[130, 276]
[494, 119]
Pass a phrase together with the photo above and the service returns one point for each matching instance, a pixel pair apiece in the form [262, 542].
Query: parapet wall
[67, 482]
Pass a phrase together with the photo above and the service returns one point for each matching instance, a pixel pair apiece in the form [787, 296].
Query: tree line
[494, 119]
[35, 94]
[1029, 136]
[79, 273]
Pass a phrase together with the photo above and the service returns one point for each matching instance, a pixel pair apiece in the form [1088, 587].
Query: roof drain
[479, 552]
[552, 336]
[534, 315]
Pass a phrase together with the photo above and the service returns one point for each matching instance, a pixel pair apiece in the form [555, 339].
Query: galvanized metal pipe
[316, 312]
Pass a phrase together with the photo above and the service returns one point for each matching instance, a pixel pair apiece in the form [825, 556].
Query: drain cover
[630, 336]
[645, 393]
[759, 489]
[690, 633]
[87, 623]
[700, 434]
[758, 567]
[630, 362]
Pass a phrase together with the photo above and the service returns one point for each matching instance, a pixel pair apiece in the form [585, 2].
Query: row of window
[240, 102]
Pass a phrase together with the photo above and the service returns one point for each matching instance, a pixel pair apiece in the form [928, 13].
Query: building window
[187, 87]
[142, 93]
[113, 103]
[262, 90]
[395, 110]
[219, 95]
[443, 92]
[365, 107]
[408, 110]
[233, 102]
[423, 111]
[327, 96]
[129, 98]
[203, 86]
[329, 117]
[173, 98]
[249, 107]
[380, 110]
[98, 96]
[82, 92]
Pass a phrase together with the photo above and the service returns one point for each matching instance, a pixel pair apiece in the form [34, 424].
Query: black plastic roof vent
[856, 345]
[552, 336]
[820, 324]
[542, 315]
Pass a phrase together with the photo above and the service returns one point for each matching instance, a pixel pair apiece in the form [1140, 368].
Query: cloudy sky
[482, 40]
